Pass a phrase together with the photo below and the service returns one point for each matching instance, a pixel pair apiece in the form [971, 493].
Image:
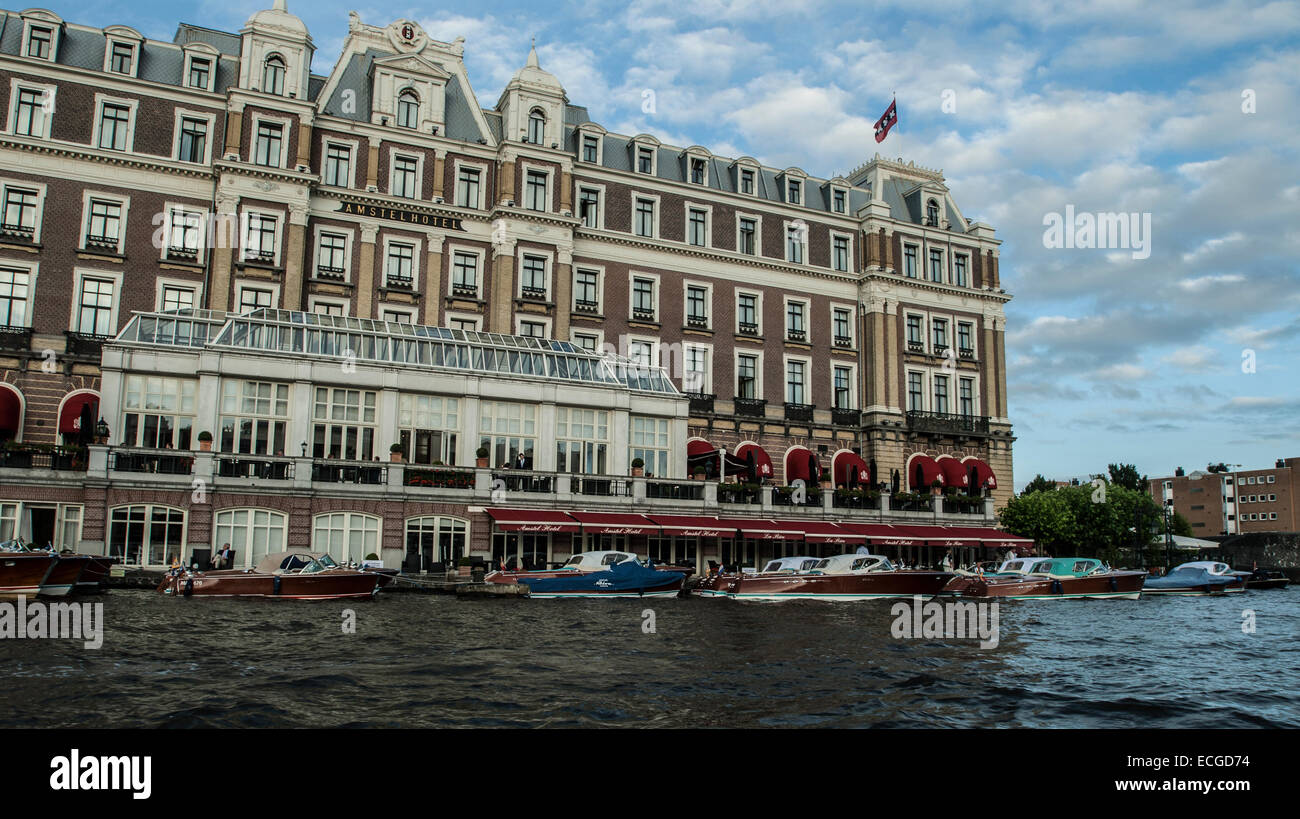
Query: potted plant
[638, 467]
[396, 453]
[481, 456]
[205, 441]
[937, 487]
[464, 565]
[699, 473]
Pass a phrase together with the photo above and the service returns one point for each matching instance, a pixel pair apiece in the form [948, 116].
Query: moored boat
[582, 563]
[628, 578]
[1200, 577]
[841, 577]
[710, 586]
[21, 571]
[1052, 579]
[1267, 579]
[62, 577]
[285, 575]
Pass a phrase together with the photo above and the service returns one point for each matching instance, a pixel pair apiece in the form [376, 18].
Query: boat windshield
[327, 562]
[574, 561]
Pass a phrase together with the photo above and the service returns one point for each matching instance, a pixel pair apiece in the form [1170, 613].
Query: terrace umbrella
[86, 434]
[814, 471]
[872, 475]
[753, 465]
[895, 482]
[973, 484]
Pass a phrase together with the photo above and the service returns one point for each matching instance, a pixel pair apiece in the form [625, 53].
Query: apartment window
[840, 253]
[748, 232]
[105, 224]
[959, 271]
[641, 353]
[405, 177]
[794, 382]
[586, 290]
[158, 412]
[536, 128]
[254, 417]
[29, 117]
[940, 329]
[346, 536]
[399, 267]
[194, 140]
[645, 217]
[95, 306]
[121, 56]
[464, 273]
[746, 181]
[697, 305]
[794, 243]
[177, 298]
[795, 192]
[747, 313]
[408, 110]
[697, 171]
[535, 190]
[645, 160]
[914, 331]
[941, 393]
[581, 441]
[273, 75]
[533, 276]
[462, 323]
[259, 242]
[507, 430]
[966, 396]
[15, 295]
[38, 42]
[648, 440]
[114, 126]
[185, 231]
[643, 299]
[268, 144]
[695, 374]
[331, 256]
[841, 324]
[532, 329]
[842, 382]
[795, 330]
[590, 148]
[936, 265]
[838, 201]
[589, 207]
[200, 70]
[427, 427]
[932, 213]
[964, 337]
[915, 397]
[338, 165]
[697, 227]
[253, 298]
[909, 261]
[467, 187]
[747, 376]
[586, 341]
[343, 424]
[397, 316]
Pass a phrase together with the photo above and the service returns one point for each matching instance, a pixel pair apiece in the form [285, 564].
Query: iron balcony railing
[799, 412]
[700, 401]
[750, 407]
[151, 461]
[85, 345]
[254, 466]
[948, 423]
[15, 339]
[70, 459]
[329, 470]
[846, 417]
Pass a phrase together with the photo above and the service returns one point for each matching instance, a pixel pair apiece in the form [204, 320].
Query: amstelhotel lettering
[410, 217]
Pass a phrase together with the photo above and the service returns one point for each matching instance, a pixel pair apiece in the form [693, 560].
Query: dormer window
[536, 127]
[747, 181]
[697, 171]
[39, 42]
[645, 158]
[273, 75]
[590, 148]
[199, 74]
[794, 192]
[838, 200]
[121, 58]
[408, 109]
[932, 213]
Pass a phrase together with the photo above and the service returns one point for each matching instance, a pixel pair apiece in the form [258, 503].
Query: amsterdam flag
[887, 121]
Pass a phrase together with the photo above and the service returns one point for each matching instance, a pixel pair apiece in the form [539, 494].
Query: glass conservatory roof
[390, 343]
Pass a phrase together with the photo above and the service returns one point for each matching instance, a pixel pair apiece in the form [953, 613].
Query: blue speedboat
[627, 579]
[1199, 577]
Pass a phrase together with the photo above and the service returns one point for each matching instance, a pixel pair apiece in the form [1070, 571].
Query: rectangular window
[914, 331]
[254, 417]
[747, 376]
[964, 337]
[590, 148]
[38, 42]
[177, 298]
[338, 165]
[643, 299]
[253, 298]
[909, 261]
[589, 207]
[194, 140]
[697, 171]
[259, 242]
[15, 296]
[794, 382]
[20, 211]
[114, 125]
[959, 271]
[648, 440]
[697, 227]
[747, 313]
[95, 307]
[105, 224]
[794, 244]
[914, 394]
[795, 192]
[29, 118]
[748, 232]
[536, 191]
[645, 160]
[940, 330]
[795, 330]
[841, 324]
[697, 310]
[837, 201]
[185, 231]
[427, 428]
[343, 424]
[843, 385]
[840, 254]
[533, 276]
[695, 374]
[581, 441]
[507, 430]
[936, 265]
[645, 217]
[158, 412]
[464, 273]
[200, 69]
[941, 393]
[966, 397]
[586, 341]
[331, 256]
[405, 177]
[746, 181]
[399, 267]
[121, 55]
[586, 290]
[268, 143]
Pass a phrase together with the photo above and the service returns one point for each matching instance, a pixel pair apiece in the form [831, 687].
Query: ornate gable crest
[407, 36]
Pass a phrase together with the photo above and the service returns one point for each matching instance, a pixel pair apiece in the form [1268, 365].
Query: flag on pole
[887, 121]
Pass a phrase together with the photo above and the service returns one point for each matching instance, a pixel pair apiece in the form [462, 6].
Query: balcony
[803, 413]
[911, 503]
[963, 505]
[601, 487]
[465, 291]
[330, 273]
[916, 346]
[742, 493]
[151, 461]
[398, 281]
[846, 417]
[750, 407]
[85, 345]
[790, 496]
[331, 470]
[966, 353]
[253, 466]
[257, 256]
[845, 342]
[586, 306]
[643, 314]
[101, 243]
[438, 478]
[940, 349]
[697, 322]
[15, 339]
[856, 499]
[524, 481]
[799, 336]
[185, 254]
[701, 402]
[532, 293]
[674, 490]
[945, 423]
[747, 329]
[17, 233]
[20, 456]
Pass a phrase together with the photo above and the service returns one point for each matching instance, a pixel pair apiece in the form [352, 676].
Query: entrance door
[42, 523]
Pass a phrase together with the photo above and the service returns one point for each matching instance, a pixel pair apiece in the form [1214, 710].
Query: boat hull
[1200, 590]
[1120, 585]
[863, 586]
[338, 585]
[64, 576]
[22, 573]
[96, 573]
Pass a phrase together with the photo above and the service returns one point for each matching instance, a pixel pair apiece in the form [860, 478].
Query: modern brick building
[1230, 503]
[810, 329]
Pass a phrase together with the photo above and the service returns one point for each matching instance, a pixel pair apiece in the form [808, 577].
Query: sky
[1178, 350]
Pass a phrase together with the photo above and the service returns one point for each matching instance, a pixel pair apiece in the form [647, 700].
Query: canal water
[433, 661]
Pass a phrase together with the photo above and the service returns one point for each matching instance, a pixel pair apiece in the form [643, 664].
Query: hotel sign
[409, 217]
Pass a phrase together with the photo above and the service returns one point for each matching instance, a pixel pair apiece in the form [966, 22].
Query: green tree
[1127, 476]
[1179, 525]
[1044, 516]
[1094, 520]
[1039, 484]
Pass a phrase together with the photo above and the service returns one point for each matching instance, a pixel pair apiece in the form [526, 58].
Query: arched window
[146, 535]
[536, 127]
[346, 536]
[252, 533]
[932, 213]
[273, 75]
[408, 109]
[431, 540]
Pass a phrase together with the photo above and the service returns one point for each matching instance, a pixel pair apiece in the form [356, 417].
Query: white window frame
[758, 233]
[417, 258]
[853, 330]
[48, 92]
[31, 269]
[286, 129]
[418, 156]
[79, 274]
[703, 158]
[655, 345]
[460, 316]
[353, 148]
[481, 272]
[848, 258]
[707, 387]
[583, 135]
[549, 195]
[244, 221]
[637, 146]
[707, 286]
[708, 224]
[136, 47]
[349, 235]
[632, 276]
[658, 211]
[805, 244]
[807, 318]
[256, 284]
[534, 318]
[191, 55]
[599, 335]
[133, 108]
[52, 28]
[123, 202]
[740, 170]
[210, 119]
[925, 389]
[482, 169]
[852, 367]
[599, 270]
[807, 378]
[314, 300]
[408, 310]
[579, 185]
[758, 310]
[169, 210]
[756, 353]
[162, 284]
[843, 190]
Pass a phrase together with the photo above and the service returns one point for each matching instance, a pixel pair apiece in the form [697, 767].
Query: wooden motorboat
[711, 585]
[1267, 579]
[628, 578]
[1200, 577]
[583, 563]
[22, 572]
[1049, 578]
[285, 575]
[842, 577]
[62, 577]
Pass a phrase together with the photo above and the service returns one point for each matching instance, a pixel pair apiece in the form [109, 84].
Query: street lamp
[304, 449]
[101, 432]
[1169, 539]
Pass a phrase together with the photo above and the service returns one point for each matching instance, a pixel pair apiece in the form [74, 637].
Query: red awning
[692, 526]
[941, 535]
[765, 529]
[798, 465]
[819, 531]
[615, 523]
[532, 520]
[954, 474]
[699, 446]
[761, 459]
[70, 417]
[846, 463]
[984, 475]
[922, 471]
[996, 539]
[10, 409]
[881, 534]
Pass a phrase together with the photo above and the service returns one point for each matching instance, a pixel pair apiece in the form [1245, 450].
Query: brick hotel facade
[1232, 503]
[811, 323]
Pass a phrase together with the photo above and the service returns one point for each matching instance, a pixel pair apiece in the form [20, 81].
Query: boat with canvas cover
[841, 577]
[1200, 577]
[284, 575]
[582, 563]
[628, 578]
[1048, 578]
[1267, 579]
